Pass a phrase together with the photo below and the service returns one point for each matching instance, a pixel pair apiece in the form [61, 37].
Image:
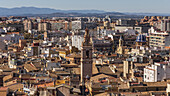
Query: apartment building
[77, 41]
[165, 25]
[157, 72]
[77, 25]
[159, 39]
[126, 22]
[28, 25]
[44, 27]
[140, 29]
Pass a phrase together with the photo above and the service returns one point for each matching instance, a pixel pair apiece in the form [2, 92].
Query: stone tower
[120, 47]
[86, 57]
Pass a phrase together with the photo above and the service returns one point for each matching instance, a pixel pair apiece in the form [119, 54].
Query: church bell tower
[86, 57]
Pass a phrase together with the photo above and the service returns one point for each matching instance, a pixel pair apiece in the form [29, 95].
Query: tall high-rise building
[44, 26]
[28, 25]
[165, 25]
[86, 57]
[77, 25]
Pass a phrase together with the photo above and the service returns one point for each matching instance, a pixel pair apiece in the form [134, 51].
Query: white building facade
[77, 41]
[157, 72]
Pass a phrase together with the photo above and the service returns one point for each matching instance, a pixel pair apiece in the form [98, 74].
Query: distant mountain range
[111, 14]
[34, 11]
[149, 14]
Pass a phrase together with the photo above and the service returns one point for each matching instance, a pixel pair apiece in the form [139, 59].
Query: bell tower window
[87, 54]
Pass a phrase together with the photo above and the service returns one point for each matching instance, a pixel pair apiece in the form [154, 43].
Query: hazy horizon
[131, 6]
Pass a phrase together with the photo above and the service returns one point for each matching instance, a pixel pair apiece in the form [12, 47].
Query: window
[87, 53]
[137, 28]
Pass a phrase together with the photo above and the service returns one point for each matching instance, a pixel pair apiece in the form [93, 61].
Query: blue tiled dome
[141, 38]
[88, 77]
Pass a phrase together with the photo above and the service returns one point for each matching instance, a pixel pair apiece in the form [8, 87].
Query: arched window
[87, 53]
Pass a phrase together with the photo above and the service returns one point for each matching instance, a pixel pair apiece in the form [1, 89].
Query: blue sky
[149, 6]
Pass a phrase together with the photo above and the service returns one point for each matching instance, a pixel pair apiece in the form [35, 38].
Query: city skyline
[87, 48]
[142, 6]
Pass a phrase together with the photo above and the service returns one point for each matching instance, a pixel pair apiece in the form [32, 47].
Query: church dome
[141, 38]
[88, 77]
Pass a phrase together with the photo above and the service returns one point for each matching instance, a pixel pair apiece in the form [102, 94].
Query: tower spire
[86, 57]
[120, 41]
[87, 36]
